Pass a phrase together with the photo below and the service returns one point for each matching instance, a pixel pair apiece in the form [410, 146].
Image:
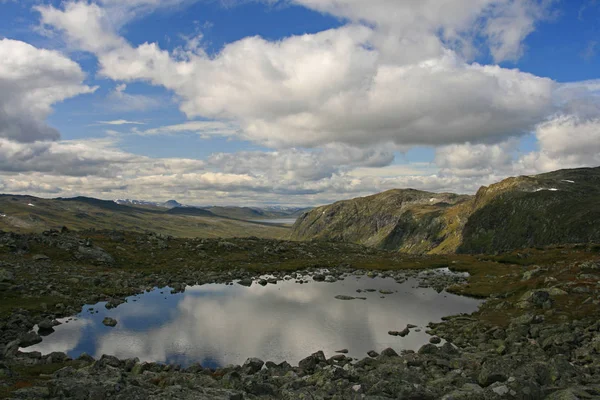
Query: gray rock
[428, 349]
[343, 351]
[6, 275]
[29, 339]
[435, 340]
[40, 257]
[373, 354]
[94, 254]
[253, 365]
[309, 363]
[245, 282]
[389, 352]
[108, 321]
[342, 297]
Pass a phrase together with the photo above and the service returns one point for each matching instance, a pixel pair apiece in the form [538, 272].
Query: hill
[553, 208]
[32, 214]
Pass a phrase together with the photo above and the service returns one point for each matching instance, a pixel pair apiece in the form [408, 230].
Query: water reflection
[218, 324]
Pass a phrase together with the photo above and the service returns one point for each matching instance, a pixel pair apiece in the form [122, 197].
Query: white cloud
[565, 142]
[202, 128]
[32, 80]
[121, 101]
[333, 86]
[121, 122]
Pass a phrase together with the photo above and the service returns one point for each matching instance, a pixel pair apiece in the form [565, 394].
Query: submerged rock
[343, 297]
[109, 322]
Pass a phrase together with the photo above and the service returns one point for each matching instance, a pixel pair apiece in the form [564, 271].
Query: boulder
[253, 365]
[309, 363]
[29, 339]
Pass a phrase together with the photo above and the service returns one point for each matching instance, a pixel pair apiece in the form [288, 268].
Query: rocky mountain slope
[552, 208]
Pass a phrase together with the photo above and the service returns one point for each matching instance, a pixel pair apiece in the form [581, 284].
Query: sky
[292, 102]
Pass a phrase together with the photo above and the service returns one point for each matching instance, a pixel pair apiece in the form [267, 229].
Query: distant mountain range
[554, 208]
[32, 214]
[245, 213]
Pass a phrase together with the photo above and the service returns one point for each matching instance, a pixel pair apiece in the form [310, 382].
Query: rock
[309, 363]
[494, 370]
[501, 390]
[343, 351]
[108, 321]
[389, 352]
[319, 278]
[386, 292]
[342, 297]
[435, 340]
[373, 354]
[6, 275]
[253, 365]
[29, 339]
[263, 282]
[94, 254]
[428, 349]
[245, 282]
[40, 257]
[46, 326]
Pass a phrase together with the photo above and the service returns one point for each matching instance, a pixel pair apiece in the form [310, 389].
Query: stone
[435, 340]
[342, 297]
[343, 351]
[389, 352]
[309, 363]
[6, 275]
[47, 324]
[373, 354]
[494, 370]
[29, 339]
[501, 390]
[40, 257]
[108, 321]
[253, 365]
[428, 349]
[245, 282]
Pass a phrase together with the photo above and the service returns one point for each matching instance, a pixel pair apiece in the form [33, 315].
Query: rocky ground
[537, 336]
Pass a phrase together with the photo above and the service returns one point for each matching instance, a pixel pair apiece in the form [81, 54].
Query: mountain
[166, 204]
[32, 214]
[553, 208]
[234, 212]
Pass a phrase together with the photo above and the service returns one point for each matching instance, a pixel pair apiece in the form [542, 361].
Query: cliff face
[558, 207]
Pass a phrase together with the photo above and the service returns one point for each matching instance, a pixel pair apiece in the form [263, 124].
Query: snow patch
[31, 205]
[551, 189]
[566, 180]
[2, 215]
[432, 199]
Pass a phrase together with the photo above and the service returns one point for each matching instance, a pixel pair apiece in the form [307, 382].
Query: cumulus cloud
[32, 80]
[565, 142]
[336, 86]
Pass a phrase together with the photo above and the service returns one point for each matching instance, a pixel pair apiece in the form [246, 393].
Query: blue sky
[293, 102]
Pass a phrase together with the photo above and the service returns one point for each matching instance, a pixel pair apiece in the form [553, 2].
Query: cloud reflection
[219, 324]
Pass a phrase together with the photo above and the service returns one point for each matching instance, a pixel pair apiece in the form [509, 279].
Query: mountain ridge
[516, 212]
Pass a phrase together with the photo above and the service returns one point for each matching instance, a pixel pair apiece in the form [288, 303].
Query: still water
[277, 221]
[217, 324]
